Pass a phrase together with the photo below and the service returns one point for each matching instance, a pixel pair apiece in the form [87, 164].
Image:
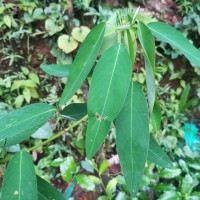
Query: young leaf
[170, 195]
[74, 111]
[103, 167]
[156, 116]
[170, 35]
[148, 45]
[46, 191]
[157, 155]
[18, 125]
[170, 172]
[83, 62]
[56, 70]
[20, 179]
[80, 33]
[85, 182]
[111, 79]
[111, 187]
[67, 43]
[184, 97]
[34, 77]
[131, 44]
[132, 137]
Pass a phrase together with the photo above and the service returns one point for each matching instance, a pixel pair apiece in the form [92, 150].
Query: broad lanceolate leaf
[46, 191]
[83, 62]
[156, 116]
[108, 90]
[148, 45]
[132, 137]
[56, 69]
[18, 125]
[170, 35]
[74, 111]
[19, 181]
[157, 155]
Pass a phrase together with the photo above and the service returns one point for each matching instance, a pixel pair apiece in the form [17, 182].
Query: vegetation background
[31, 34]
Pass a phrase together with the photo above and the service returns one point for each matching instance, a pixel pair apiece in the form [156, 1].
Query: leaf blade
[170, 35]
[148, 45]
[56, 69]
[156, 116]
[20, 124]
[133, 120]
[21, 173]
[102, 111]
[184, 97]
[157, 155]
[46, 191]
[83, 62]
[74, 111]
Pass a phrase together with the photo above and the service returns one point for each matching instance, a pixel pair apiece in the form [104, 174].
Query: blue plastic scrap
[192, 137]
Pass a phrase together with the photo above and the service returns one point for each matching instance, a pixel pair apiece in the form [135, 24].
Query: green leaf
[29, 83]
[103, 198]
[148, 45]
[56, 69]
[156, 116]
[111, 187]
[34, 93]
[83, 62]
[95, 179]
[25, 70]
[38, 14]
[111, 79]
[68, 168]
[170, 195]
[17, 84]
[7, 20]
[43, 132]
[19, 101]
[165, 187]
[20, 179]
[85, 182]
[80, 33]
[52, 27]
[187, 184]
[184, 97]
[74, 111]
[170, 35]
[170, 172]
[131, 44]
[34, 77]
[184, 166]
[103, 167]
[110, 37]
[47, 192]
[27, 94]
[18, 125]
[132, 137]
[67, 43]
[157, 155]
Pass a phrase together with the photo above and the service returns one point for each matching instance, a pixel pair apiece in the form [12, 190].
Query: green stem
[58, 134]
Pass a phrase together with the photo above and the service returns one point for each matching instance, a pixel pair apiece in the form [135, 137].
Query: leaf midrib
[101, 115]
[25, 120]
